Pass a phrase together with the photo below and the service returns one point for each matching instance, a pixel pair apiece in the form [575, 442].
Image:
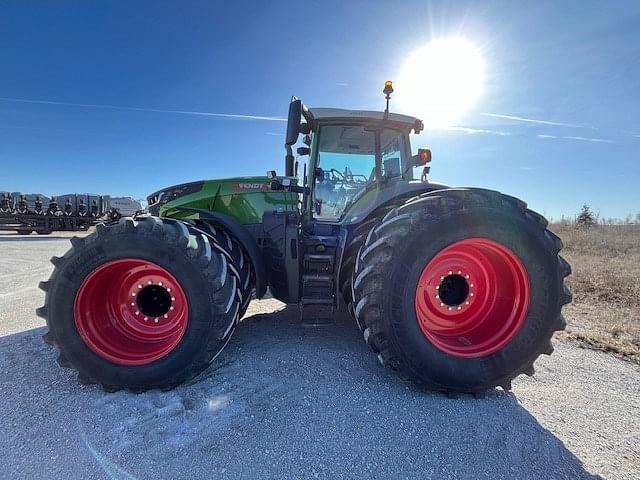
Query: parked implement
[459, 289]
[27, 213]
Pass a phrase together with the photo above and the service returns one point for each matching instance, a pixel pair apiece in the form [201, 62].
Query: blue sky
[574, 65]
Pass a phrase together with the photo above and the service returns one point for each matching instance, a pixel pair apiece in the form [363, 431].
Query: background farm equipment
[27, 213]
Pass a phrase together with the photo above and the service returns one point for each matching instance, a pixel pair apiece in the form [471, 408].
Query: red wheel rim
[131, 311]
[472, 297]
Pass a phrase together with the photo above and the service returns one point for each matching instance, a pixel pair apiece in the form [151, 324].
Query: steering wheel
[336, 175]
[351, 180]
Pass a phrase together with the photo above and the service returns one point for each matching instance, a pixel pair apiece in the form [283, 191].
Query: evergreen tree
[586, 218]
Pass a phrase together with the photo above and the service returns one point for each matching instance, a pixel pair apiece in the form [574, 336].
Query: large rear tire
[141, 304]
[461, 289]
[354, 242]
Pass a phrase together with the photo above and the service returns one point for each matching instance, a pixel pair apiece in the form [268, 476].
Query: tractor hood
[156, 199]
[244, 198]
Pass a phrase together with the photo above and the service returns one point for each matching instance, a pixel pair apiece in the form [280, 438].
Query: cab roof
[340, 114]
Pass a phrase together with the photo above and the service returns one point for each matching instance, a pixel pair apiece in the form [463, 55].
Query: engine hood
[223, 194]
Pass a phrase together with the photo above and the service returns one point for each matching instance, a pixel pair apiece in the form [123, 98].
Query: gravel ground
[285, 401]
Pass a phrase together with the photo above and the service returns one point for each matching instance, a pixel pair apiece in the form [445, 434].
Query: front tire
[140, 304]
[461, 289]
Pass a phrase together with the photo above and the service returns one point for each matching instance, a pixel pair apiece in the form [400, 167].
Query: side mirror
[422, 158]
[293, 121]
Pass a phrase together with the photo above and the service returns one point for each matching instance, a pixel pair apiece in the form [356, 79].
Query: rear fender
[379, 194]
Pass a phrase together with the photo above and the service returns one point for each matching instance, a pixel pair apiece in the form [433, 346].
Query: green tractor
[458, 289]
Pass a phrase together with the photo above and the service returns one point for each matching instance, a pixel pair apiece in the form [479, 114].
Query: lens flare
[441, 81]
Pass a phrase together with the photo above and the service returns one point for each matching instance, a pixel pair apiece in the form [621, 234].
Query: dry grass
[605, 313]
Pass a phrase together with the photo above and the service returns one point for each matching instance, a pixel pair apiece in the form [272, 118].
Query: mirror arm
[288, 161]
[277, 185]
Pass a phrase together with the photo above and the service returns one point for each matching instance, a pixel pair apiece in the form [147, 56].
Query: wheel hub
[453, 290]
[131, 311]
[154, 301]
[472, 297]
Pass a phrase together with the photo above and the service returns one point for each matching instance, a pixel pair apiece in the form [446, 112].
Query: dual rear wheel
[140, 304]
[460, 290]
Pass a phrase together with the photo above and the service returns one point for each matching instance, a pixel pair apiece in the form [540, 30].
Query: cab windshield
[347, 163]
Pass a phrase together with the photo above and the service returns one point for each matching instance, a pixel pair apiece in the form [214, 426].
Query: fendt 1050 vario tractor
[458, 289]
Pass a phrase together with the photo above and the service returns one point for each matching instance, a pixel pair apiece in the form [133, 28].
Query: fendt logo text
[250, 186]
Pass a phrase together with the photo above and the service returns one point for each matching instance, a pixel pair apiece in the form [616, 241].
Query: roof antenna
[388, 90]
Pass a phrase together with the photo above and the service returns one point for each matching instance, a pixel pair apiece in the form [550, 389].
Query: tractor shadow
[282, 401]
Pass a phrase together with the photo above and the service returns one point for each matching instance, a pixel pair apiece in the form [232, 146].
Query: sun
[442, 80]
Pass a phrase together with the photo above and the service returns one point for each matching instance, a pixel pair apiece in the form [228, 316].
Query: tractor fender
[244, 237]
[392, 191]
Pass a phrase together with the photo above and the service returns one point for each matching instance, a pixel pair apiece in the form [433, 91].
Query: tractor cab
[352, 153]
[357, 163]
[354, 157]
